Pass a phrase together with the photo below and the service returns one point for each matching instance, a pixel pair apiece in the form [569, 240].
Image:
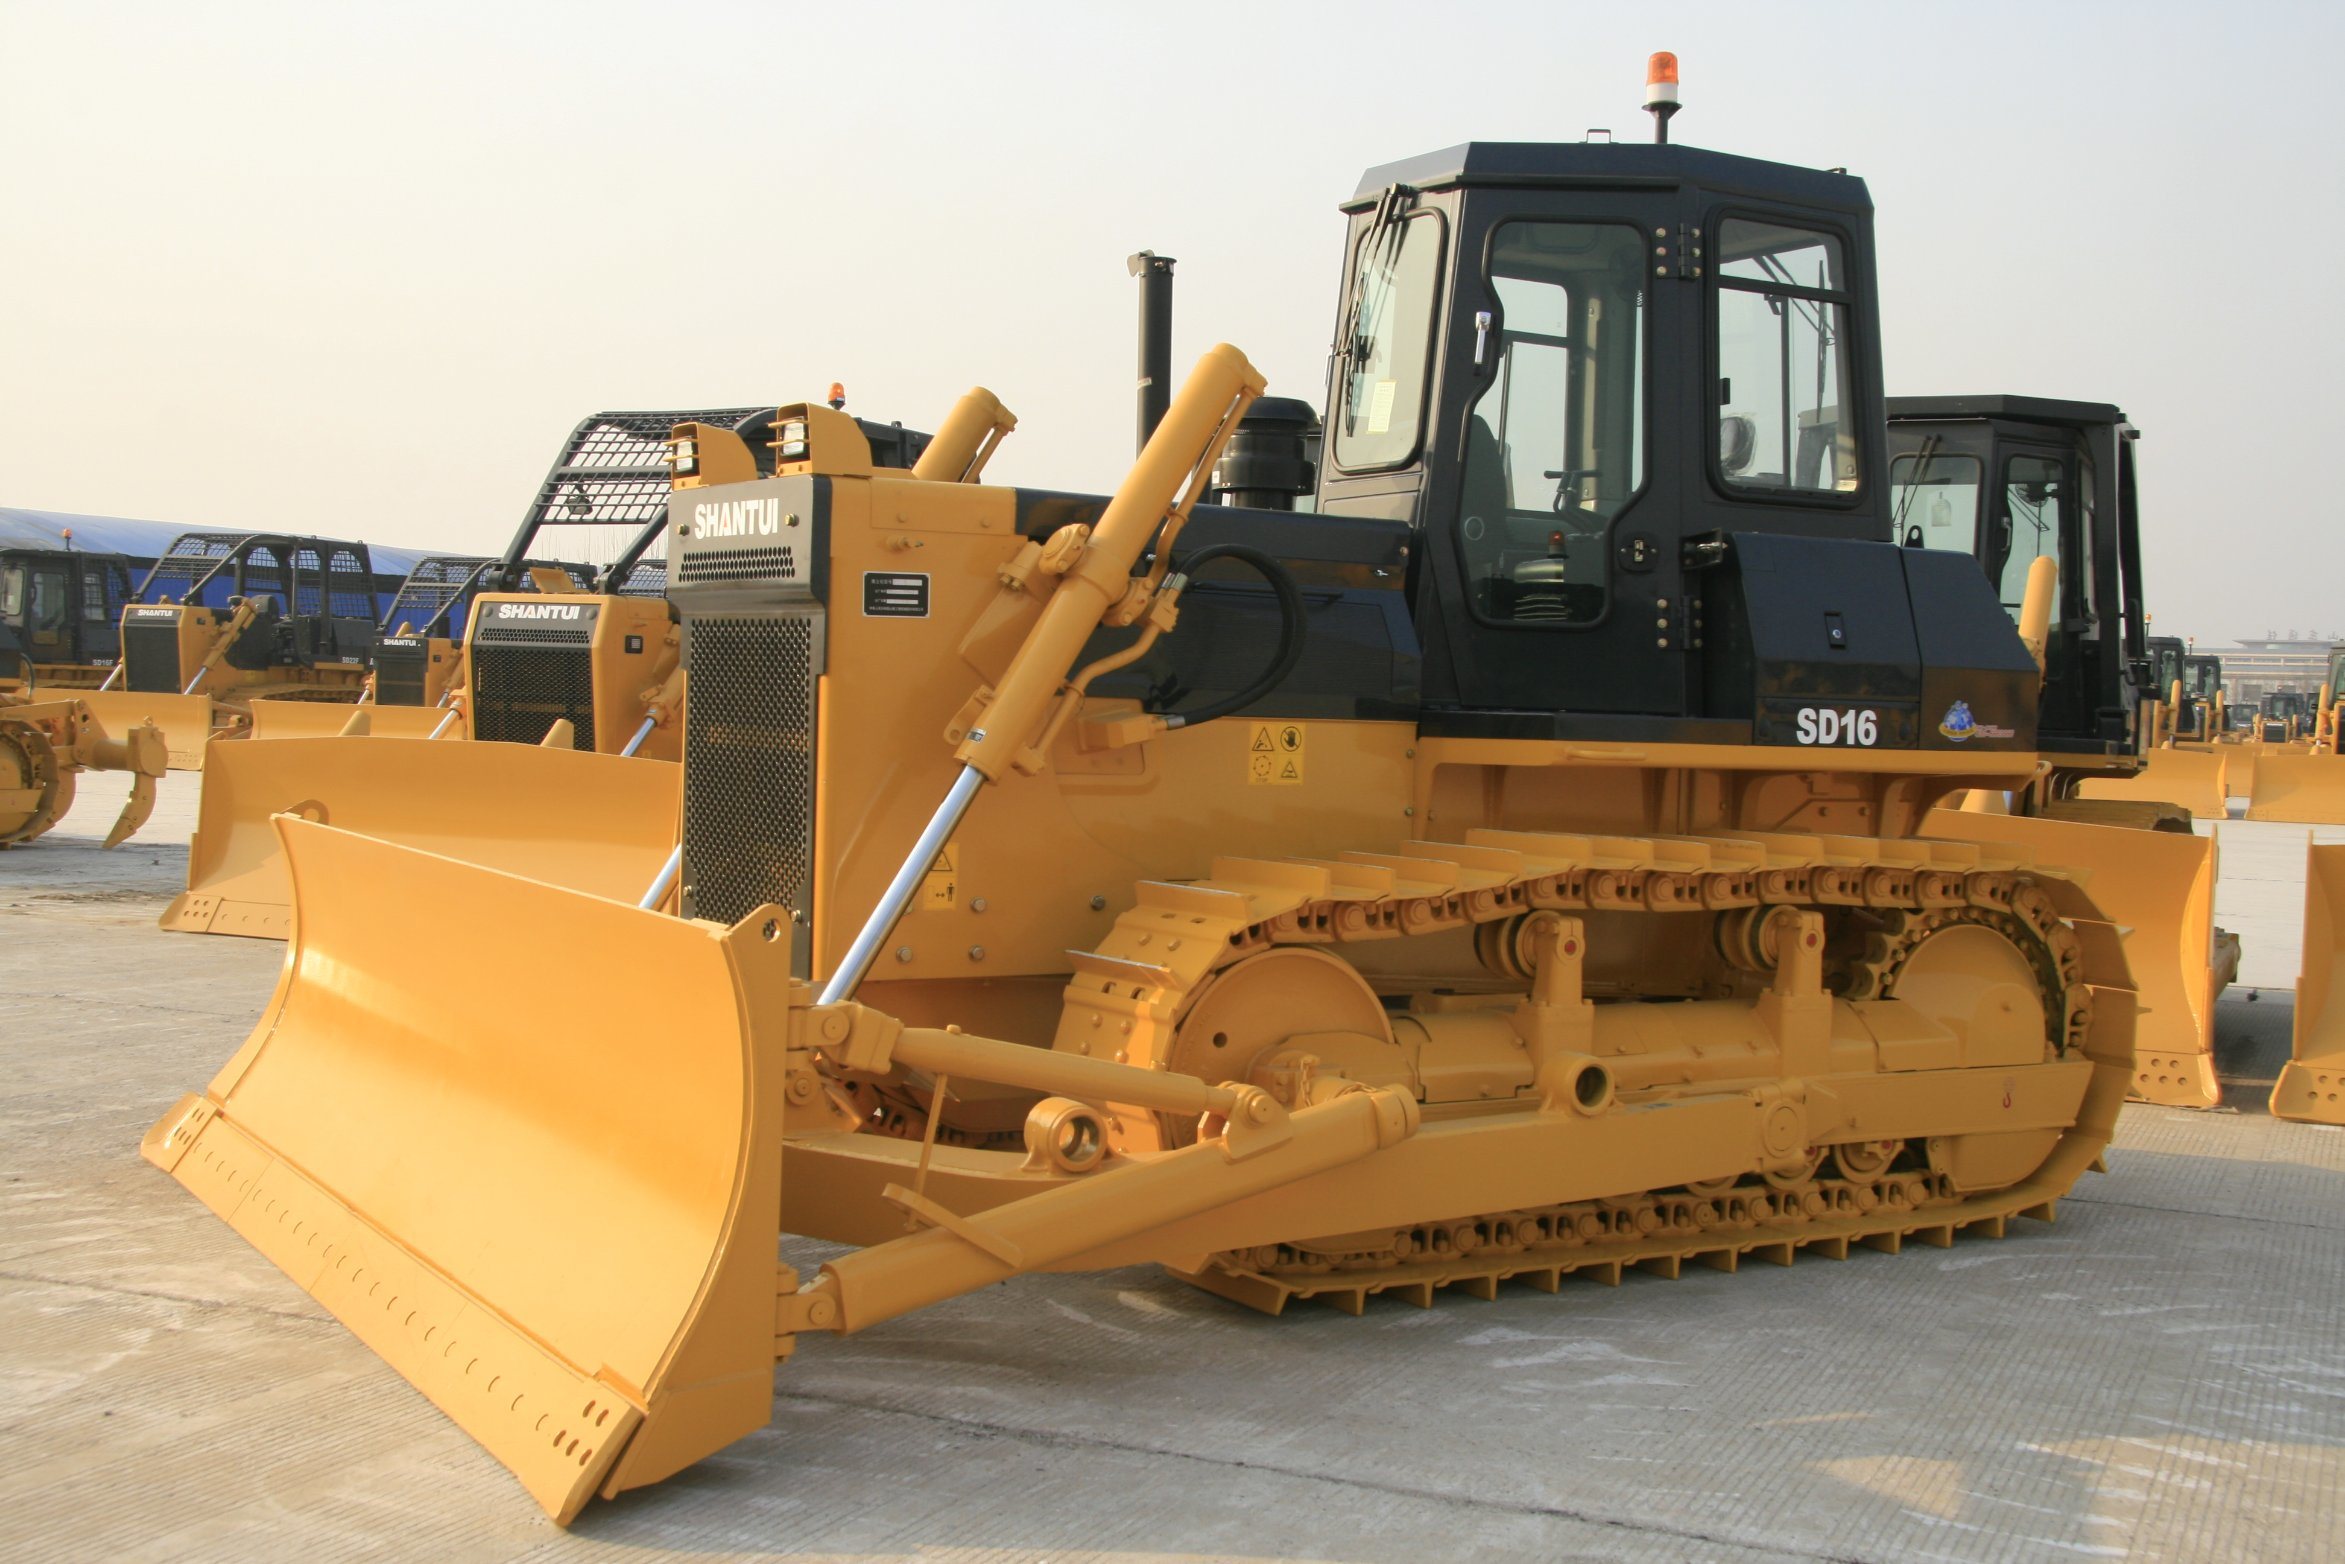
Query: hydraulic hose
[1293, 628]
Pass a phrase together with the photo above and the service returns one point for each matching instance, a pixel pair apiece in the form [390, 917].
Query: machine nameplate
[895, 594]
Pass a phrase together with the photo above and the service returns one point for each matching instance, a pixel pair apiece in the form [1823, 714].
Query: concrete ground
[2161, 1375]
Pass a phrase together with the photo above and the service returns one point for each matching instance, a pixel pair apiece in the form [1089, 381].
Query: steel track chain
[1176, 935]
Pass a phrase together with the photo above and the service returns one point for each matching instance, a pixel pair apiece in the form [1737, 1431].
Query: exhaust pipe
[1155, 274]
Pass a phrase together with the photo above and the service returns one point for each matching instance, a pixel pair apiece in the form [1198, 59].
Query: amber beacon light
[1661, 92]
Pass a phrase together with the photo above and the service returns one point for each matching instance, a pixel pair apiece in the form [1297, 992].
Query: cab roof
[2024, 409]
[1619, 164]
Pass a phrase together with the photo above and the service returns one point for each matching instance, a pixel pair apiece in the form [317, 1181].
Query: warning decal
[940, 886]
[1274, 754]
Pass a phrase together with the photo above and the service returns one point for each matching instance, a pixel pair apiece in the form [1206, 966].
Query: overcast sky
[358, 268]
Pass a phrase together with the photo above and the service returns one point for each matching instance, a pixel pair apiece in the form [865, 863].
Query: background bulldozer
[1511, 868]
[2312, 1083]
[416, 659]
[45, 742]
[2013, 480]
[2303, 781]
[567, 677]
[60, 615]
[224, 619]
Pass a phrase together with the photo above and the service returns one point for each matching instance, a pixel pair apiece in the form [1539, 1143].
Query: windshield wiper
[1921, 472]
[1384, 234]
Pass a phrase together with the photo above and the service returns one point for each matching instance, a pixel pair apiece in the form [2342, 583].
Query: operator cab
[1628, 399]
[59, 607]
[2009, 479]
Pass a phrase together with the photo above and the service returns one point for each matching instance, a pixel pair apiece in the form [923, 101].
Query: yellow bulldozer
[2311, 1087]
[416, 662]
[566, 676]
[60, 610]
[46, 741]
[1510, 868]
[2301, 776]
[2028, 483]
[224, 619]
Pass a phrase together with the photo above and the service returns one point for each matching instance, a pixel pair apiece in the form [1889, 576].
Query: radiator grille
[399, 674]
[739, 564]
[150, 657]
[518, 691]
[749, 769]
[535, 634]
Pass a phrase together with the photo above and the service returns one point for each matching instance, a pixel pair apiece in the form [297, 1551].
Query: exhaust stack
[1155, 274]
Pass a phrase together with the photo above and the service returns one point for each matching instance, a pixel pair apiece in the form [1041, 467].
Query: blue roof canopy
[145, 540]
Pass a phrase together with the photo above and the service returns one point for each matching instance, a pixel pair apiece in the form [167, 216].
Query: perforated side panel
[518, 691]
[749, 768]
[150, 657]
[738, 564]
[399, 674]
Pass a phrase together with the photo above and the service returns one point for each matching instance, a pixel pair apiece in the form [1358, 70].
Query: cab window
[1387, 344]
[2169, 669]
[1782, 356]
[93, 597]
[1554, 446]
[1934, 499]
[47, 613]
[2086, 588]
[12, 592]
[2034, 491]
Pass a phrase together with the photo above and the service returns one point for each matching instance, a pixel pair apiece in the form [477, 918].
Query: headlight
[791, 447]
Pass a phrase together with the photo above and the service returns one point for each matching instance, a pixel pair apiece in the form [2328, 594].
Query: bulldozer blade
[2241, 761]
[2194, 779]
[2311, 1088]
[276, 717]
[186, 720]
[2158, 888]
[2305, 789]
[545, 1188]
[595, 823]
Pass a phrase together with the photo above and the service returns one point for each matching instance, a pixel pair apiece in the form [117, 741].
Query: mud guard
[552, 1207]
[186, 720]
[2311, 1088]
[601, 824]
[2160, 886]
[2302, 788]
[2195, 779]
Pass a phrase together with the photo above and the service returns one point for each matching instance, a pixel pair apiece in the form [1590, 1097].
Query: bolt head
[903, 953]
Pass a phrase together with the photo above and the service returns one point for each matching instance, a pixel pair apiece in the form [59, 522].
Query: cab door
[48, 617]
[1550, 566]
